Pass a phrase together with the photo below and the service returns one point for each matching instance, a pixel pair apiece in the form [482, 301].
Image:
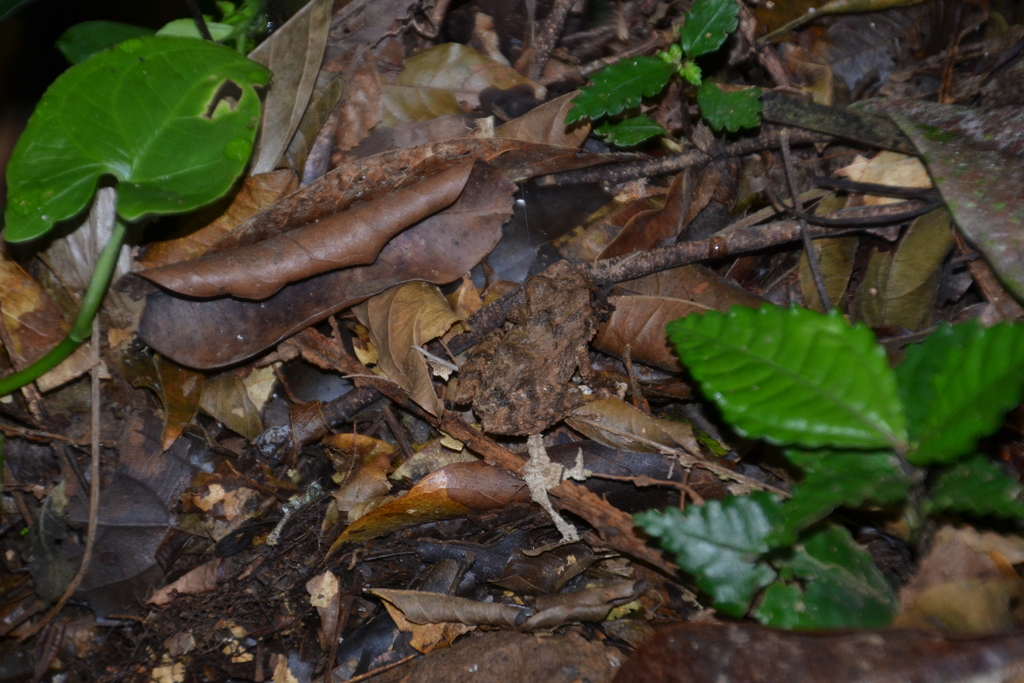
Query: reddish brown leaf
[349, 238]
[658, 227]
[639, 319]
[615, 423]
[179, 388]
[218, 332]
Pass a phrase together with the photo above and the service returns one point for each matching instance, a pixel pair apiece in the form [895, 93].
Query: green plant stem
[82, 328]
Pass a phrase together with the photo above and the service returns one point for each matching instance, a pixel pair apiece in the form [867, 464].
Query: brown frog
[518, 378]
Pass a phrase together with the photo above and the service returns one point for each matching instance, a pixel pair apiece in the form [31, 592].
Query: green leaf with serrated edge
[840, 587]
[793, 376]
[707, 26]
[730, 110]
[838, 479]
[152, 113]
[630, 132]
[81, 41]
[976, 486]
[621, 86]
[719, 543]
[956, 386]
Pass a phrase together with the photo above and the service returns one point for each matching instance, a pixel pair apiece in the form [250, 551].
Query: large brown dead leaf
[256, 193]
[380, 175]
[974, 157]
[218, 332]
[400, 319]
[349, 238]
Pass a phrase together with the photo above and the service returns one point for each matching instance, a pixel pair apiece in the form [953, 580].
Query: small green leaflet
[839, 587]
[707, 26]
[838, 479]
[719, 543]
[630, 131]
[730, 110]
[794, 376]
[148, 112]
[621, 86]
[956, 386]
[976, 486]
[82, 41]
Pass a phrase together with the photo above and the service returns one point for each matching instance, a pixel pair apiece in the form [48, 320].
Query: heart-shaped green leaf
[172, 119]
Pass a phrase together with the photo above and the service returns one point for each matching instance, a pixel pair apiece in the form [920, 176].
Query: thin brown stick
[620, 173]
[805, 235]
[546, 38]
[94, 486]
[657, 41]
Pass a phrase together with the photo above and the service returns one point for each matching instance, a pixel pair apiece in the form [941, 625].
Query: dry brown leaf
[453, 491]
[546, 124]
[218, 332]
[639, 319]
[256, 193]
[378, 176]
[346, 239]
[446, 79]
[400, 319]
[30, 322]
[419, 607]
[224, 398]
[615, 423]
[202, 579]
[659, 227]
[293, 52]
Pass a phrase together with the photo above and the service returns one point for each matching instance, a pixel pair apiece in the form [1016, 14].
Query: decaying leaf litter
[406, 386]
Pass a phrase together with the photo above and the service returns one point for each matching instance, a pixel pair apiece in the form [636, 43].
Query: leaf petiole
[82, 328]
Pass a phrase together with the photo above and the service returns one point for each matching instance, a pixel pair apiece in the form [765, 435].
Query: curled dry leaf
[218, 332]
[399, 319]
[256, 193]
[453, 491]
[224, 398]
[446, 79]
[659, 227]
[419, 607]
[380, 175]
[900, 286]
[349, 238]
[615, 423]
[293, 52]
